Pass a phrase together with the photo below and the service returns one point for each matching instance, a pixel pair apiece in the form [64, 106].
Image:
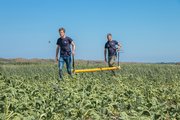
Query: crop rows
[139, 91]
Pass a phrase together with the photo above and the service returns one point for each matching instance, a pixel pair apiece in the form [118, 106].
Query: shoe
[60, 75]
[60, 79]
[71, 77]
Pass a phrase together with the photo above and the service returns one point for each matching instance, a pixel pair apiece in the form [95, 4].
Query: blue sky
[149, 30]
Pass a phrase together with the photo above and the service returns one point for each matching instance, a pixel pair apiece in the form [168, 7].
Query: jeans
[67, 60]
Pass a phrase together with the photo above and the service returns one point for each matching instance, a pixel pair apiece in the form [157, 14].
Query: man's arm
[105, 59]
[57, 51]
[73, 48]
[119, 46]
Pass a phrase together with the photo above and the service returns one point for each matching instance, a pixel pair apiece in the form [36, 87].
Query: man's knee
[69, 69]
[111, 63]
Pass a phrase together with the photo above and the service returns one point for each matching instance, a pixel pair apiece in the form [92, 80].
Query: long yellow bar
[96, 69]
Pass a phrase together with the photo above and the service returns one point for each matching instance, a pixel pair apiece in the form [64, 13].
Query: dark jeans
[67, 60]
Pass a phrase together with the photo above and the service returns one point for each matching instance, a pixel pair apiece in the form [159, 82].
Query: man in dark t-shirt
[64, 44]
[112, 46]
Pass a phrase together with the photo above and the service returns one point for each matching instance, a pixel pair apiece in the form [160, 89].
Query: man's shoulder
[67, 37]
[59, 39]
[106, 43]
[115, 41]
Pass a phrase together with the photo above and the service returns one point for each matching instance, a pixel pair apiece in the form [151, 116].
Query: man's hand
[118, 48]
[105, 60]
[73, 53]
[57, 59]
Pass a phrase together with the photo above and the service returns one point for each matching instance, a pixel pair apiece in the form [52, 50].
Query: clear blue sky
[149, 30]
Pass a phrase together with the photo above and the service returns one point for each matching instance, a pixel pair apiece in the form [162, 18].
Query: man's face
[62, 34]
[109, 37]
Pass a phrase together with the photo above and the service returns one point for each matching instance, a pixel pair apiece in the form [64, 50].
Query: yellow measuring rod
[96, 69]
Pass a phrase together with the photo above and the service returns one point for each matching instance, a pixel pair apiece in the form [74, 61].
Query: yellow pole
[96, 69]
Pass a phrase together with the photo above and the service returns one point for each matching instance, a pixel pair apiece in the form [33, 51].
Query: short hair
[109, 34]
[62, 29]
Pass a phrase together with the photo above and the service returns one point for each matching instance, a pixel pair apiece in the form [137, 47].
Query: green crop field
[30, 91]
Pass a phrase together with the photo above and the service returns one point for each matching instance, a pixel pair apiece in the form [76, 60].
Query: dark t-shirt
[111, 46]
[64, 43]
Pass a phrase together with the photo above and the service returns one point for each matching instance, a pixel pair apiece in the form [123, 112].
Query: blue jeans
[67, 60]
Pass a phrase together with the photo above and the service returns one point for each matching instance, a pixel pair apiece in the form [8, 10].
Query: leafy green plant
[139, 91]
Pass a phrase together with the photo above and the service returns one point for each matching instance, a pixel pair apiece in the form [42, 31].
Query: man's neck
[63, 37]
